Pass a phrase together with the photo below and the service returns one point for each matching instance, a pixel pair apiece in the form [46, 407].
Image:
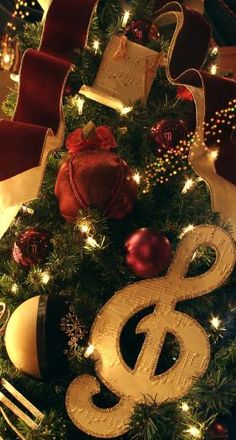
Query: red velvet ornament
[142, 31]
[94, 178]
[167, 133]
[68, 91]
[218, 432]
[148, 253]
[184, 94]
[31, 247]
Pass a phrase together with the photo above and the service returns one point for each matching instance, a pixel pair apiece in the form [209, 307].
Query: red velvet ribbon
[185, 65]
[42, 79]
[44, 72]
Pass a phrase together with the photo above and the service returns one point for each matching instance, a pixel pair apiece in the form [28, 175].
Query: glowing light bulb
[91, 242]
[14, 77]
[185, 407]
[194, 431]
[96, 45]
[45, 277]
[137, 178]
[188, 186]
[27, 210]
[89, 351]
[14, 288]
[6, 58]
[84, 226]
[125, 18]
[213, 155]
[186, 230]
[215, 322]
[213, 69]
[215, 50]
[125, 110]
[80, 104]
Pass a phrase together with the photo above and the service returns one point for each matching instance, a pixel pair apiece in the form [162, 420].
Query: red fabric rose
[102, 138]
[184, 93]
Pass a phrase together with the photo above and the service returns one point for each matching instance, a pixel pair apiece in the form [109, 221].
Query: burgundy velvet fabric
[44, 72]
[42, 81]
[42, 78]
[16, 147]
[187, 58]
[95, 179]
[67, 26]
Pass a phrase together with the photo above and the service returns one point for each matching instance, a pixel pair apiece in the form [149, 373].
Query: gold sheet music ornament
[123, 80]
[133, 385]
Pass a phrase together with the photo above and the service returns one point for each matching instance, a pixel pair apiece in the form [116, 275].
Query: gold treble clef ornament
[132, 385]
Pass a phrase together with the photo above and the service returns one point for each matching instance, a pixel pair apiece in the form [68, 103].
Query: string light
[27, 210]
[84, 226]
[186, 230]
[215, 50]
[14, 288]
[213, 69]
[96, 45]
[185, 407]
[189, 184]
[125, 110]
[137, 178]
[194, 431]
[175, 160]
[6, 58]
[14, 77]
[125, 18]
[91, 242]
[89, 351]
[215, 322]
[80, 104]
[45, 277]
[213, 155]
[9, 47]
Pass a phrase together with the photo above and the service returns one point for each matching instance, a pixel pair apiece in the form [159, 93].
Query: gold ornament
[133, 385]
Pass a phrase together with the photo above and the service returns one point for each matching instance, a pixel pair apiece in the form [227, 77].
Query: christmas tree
[118, 197]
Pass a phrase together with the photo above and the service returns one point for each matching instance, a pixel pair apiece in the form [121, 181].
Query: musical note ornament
[132, 385]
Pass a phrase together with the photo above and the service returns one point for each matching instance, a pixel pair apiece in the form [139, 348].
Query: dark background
[221, 14]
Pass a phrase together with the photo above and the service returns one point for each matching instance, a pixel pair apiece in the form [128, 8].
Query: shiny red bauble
[68, 90]
[167, 134]
[96, 179]
[218, 431]
[31, 247]
[148, 253]
[142, 31]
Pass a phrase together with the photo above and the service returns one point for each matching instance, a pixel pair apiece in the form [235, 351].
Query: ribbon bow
[99, 138]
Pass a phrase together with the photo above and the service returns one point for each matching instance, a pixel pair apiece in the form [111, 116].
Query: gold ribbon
[223, 192]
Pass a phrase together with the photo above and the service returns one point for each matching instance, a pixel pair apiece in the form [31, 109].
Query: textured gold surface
[133, 385]
[120, 82]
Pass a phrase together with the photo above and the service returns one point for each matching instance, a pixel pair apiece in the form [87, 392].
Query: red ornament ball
[218, 431]
[96, 179]
[31, 247]
[167, 134]
[68, 90]
[184, 94]
[148, 253]
[142, 31]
